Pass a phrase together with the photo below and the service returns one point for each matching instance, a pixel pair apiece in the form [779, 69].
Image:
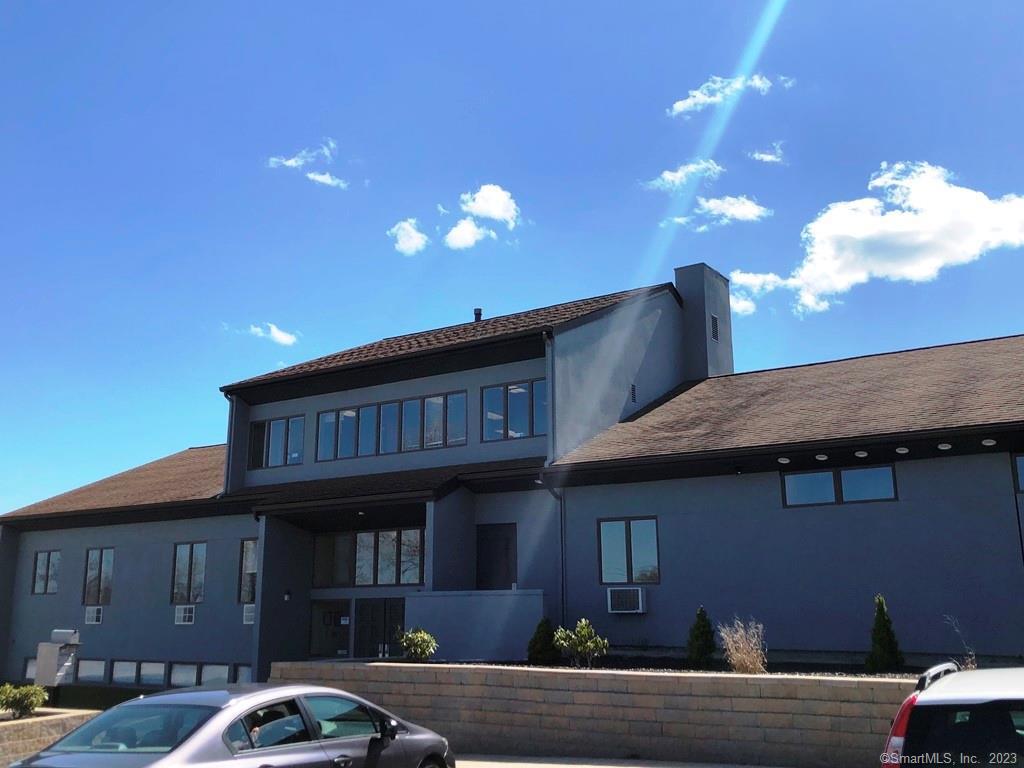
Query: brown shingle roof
[190, 475]
[959, 385]
[452, 336]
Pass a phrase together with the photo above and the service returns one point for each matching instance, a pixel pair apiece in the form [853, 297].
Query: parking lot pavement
[483, 761]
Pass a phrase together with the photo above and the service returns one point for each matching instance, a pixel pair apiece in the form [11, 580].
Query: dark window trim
[837, 485]
[241, 565]
[46, 580]
[266, 441]
[85, 579]
[106, 672]
[1018, 480]
[630, 581]
[529, 382]
[191, 561]
[376, 555]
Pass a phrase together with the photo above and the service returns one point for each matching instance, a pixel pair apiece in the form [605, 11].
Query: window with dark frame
[99, 576]
[247, 570]
[848, 485]
[277, 442]
[628, 551]
[369, 558]
[45, 572]
[512, 411]
[188, 582]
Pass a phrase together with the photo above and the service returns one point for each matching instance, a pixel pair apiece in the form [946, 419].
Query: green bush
[418, 644]
[700, 648]
[23, 700]
[885, 653]
[582, 644]
[542, 650]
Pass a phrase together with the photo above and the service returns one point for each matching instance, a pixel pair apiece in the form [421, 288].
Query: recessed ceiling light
[901, 450]
[861, 454]
[944, 446]
[988, 442]
[822, 457]
[783, 460]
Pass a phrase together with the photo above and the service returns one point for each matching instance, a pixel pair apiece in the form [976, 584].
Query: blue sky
[145, 229]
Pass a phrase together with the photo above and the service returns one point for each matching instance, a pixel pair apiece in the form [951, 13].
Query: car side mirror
[388, 728]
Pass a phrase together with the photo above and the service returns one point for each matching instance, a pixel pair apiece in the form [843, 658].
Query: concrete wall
[494, 625]
[138, 625]
[8, 572]
[949, 546]
[595, 363]
[22, 738]
[754, 720]
[475, 450]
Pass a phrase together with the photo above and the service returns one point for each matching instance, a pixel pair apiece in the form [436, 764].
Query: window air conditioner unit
[627, 600]
[249, 613]
[94, 614]
[184, 614]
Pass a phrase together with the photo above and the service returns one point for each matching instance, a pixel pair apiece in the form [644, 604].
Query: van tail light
[898, 733]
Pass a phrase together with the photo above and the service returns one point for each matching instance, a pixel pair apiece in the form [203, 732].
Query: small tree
[418, 644]
[700, 648]
[743, 645]
[541, 650]
[23, 700]
[582, 644]
[885, 653]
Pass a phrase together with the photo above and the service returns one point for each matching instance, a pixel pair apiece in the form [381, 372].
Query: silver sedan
[247, 726]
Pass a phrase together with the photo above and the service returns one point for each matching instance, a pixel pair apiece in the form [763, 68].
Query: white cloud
[442, 210]
[673, 180]
[742, 305]
[327, 179]
[303, 157]
[786, 82]
[466, 234]
[773, 155]
[491, 202]
[922, 224]
[408, 239]
[725, 210]
[717, 90]
[275, 334]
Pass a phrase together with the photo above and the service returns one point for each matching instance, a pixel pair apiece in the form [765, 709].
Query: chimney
[478, 314]
[707, 322]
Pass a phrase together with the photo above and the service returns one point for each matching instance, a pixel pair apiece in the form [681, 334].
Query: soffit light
[861, 454]
[944, 446]
[988, 442]
[902, 451]
[783, 460]
[822, 457]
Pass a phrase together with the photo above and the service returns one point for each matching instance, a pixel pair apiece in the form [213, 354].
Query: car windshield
[970, 734]
[137, 728]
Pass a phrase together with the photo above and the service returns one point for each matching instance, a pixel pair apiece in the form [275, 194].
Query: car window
[153, 728]
[238, 737]
[971, 732]
[339, 718]
[275, 725]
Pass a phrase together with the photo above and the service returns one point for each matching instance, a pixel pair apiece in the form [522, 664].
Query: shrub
[23, 700]
[418, 644]
[743, 645]
[700, 648]
[885, 653]
[582, 644]
[542, 650]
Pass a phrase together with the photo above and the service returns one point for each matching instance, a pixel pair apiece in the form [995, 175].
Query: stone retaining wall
[776, 720]
[21, 738]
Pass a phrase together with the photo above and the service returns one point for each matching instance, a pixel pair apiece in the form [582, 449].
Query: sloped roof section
[440, 339]
[194, 474]
[955, 386]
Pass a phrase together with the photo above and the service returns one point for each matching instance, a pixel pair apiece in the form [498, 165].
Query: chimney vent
[478, 314]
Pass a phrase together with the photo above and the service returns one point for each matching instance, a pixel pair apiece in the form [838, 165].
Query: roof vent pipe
[478, 314]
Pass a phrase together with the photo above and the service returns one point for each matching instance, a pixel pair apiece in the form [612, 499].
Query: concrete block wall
[21, 738]
[774, 720]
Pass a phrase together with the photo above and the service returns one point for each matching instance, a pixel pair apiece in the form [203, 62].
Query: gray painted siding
[8, 571]
[138, 625]
[949, 545]
[474, 451]
[595, 363]
[451, 538]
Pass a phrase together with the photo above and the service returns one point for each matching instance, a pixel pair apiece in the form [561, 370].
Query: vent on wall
[249, 613]
[627, 600]
[632, 393]
[714, 327]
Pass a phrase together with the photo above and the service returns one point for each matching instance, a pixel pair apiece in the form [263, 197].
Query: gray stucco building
[597, 458]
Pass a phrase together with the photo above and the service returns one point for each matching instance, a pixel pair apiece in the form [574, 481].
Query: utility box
[55, 660]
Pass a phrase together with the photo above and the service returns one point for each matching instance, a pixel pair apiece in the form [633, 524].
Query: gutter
[227, 444]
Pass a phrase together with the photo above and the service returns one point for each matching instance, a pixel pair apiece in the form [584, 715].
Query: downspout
[227, 443]
[549, 345]
[1015, 486]
[560, 498]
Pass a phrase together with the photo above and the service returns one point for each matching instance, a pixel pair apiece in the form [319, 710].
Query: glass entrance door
[329, 630]
[379, 621]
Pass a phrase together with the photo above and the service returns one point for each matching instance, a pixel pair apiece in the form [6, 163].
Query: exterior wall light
[287, 595]
[988, 442]
[861, 454]
[944, 446]
[902, 451]
[822, 457]
[782, 460]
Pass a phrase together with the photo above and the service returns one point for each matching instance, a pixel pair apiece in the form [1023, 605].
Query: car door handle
[343, 760]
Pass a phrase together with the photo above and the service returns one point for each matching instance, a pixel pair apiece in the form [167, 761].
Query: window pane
[123, 673]
[243, 674]
[339, 718]
[457, 418]
[183, 675]
[326, 435]
[53, 568]
[214, 674]
[257, 444]
[810, 488]
[411, 556]
[644, 543]
[198, 572]
[247, 589]
[613, 552]
[296, 439]
[181, 557]
[410, 425]
[494, 413]
[364, 558]
[433, 422]
[518, 410]
[347, 435]
[238, 737]
[30, 669]
[90, 671]
[540, 407]
[106, 575]
[368, 430]
[41, 569]
[344, 559]
[387, 556]
[389, 428]
[275, 449]
[867, 484]
[92, 577]
[151, 673]
[277, 724]
[1020, 473]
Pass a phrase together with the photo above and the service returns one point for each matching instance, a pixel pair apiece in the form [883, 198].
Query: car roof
[975, 687]
[222, 695]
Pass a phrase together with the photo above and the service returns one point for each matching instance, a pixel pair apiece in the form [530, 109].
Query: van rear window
[967, 734]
